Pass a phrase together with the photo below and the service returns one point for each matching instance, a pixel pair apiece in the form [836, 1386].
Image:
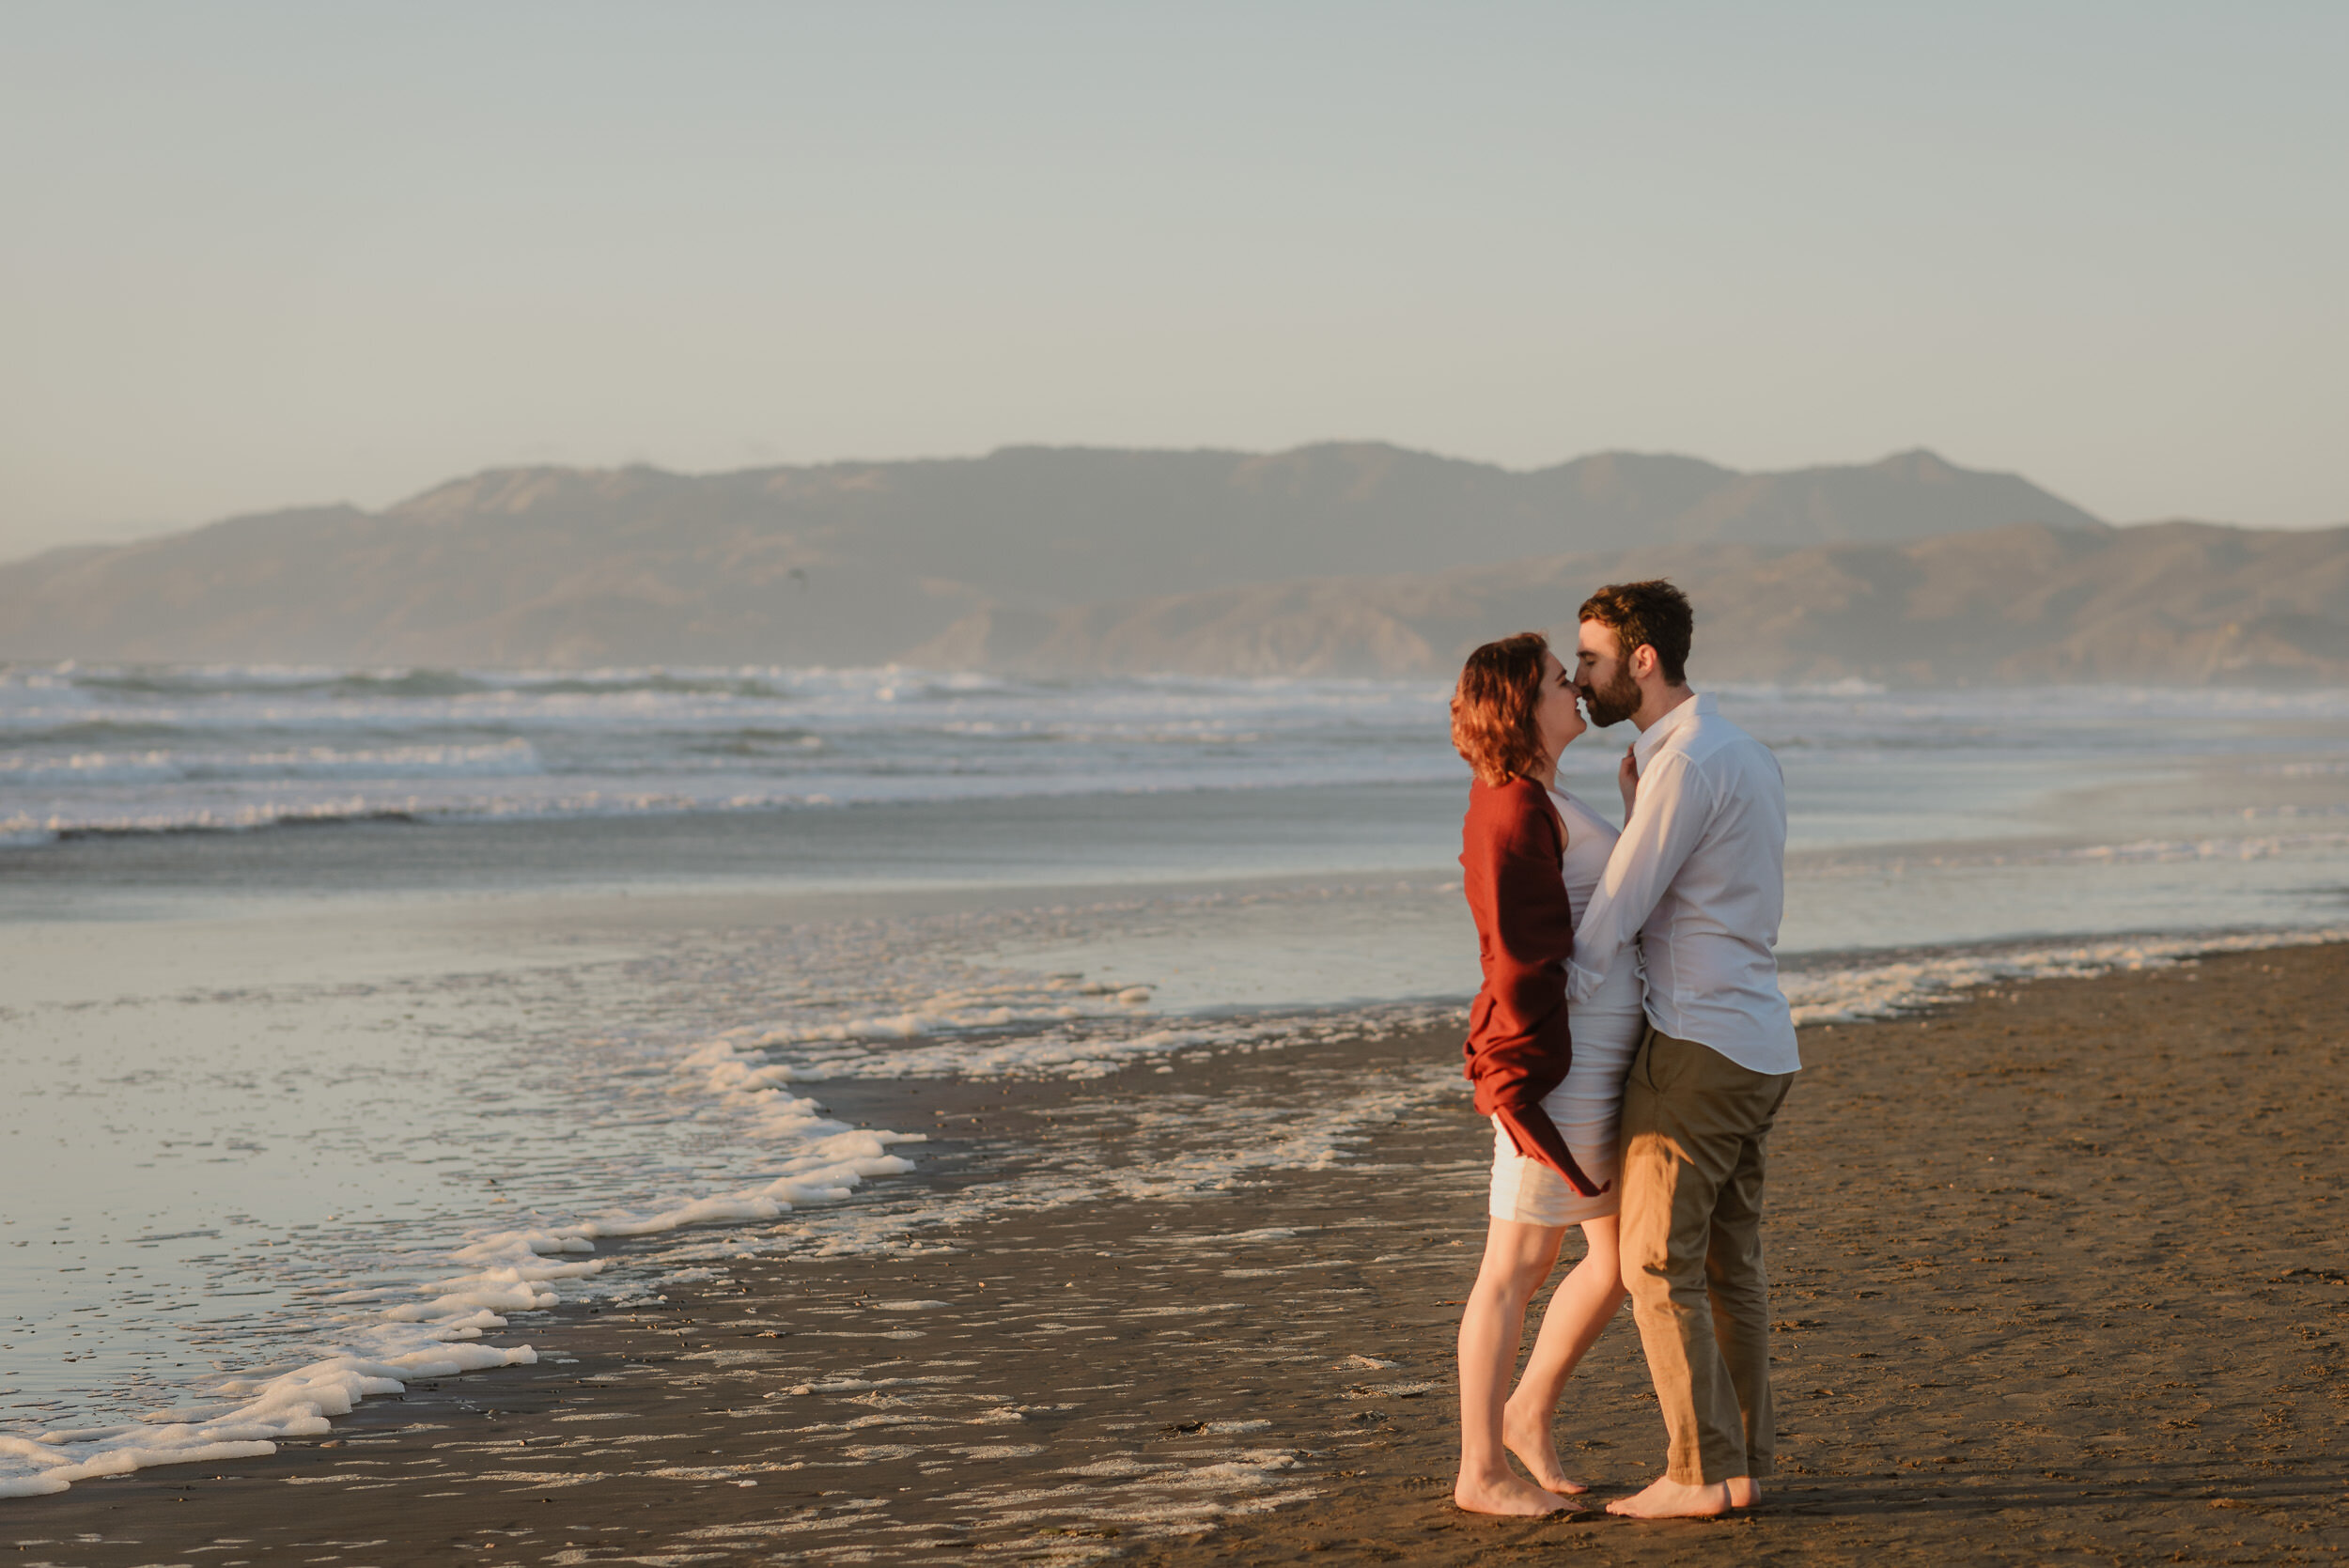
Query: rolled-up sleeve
[1666, 824]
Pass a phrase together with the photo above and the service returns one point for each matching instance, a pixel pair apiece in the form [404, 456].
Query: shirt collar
[1671, 724]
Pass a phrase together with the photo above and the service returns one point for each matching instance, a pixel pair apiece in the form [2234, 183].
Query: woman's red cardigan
[1518, 1048]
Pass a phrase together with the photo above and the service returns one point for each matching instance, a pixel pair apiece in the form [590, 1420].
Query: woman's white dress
[1588, 1105]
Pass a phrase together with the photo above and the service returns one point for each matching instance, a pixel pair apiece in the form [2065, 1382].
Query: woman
[1550, 1077]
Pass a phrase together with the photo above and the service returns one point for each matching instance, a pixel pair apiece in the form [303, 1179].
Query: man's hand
[1627, 780]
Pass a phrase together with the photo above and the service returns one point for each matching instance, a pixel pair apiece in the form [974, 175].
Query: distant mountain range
[2185, 603]
[1337, 558]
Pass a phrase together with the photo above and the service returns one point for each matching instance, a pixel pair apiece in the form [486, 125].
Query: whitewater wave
[1859, 986]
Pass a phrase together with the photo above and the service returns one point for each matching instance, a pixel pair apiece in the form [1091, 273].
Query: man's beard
[1619, 700]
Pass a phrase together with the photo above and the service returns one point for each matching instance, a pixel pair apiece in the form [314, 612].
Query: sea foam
[393, 1335]
[1878, 986]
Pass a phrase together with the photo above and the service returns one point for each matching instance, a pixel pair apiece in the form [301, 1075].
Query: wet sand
[2058, 1272]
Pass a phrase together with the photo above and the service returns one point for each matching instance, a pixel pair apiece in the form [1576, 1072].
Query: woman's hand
[1627, 780]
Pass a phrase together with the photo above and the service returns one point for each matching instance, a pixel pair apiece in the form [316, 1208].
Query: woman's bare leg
[1585, 1301]
[1518, 1258]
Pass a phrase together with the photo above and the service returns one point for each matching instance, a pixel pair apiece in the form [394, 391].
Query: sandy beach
[2058, 1271]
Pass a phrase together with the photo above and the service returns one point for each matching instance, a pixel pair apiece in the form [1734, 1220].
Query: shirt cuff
[1581, 984]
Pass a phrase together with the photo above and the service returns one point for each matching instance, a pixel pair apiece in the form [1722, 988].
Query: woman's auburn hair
[1493, 724]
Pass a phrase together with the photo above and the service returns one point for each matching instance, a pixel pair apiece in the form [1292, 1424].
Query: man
[1699, 879]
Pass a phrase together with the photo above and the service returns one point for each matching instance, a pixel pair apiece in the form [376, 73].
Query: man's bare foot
[1529, 1439]
[1667, 1498]
[1744, 1491]
[1507, 1492]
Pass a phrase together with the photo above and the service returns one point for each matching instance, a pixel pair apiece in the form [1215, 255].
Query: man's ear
[1643, 661]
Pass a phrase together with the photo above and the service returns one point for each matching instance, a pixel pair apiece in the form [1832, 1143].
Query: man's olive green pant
[1695, 1128]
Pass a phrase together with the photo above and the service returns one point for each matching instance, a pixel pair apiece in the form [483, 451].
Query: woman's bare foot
[1744, 1491]
[1529, 1439]
[1507, 1492]
[1667, 1498]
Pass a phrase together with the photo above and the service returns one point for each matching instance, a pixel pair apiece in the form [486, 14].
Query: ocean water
[84, 750]
[87, 752]
[348, 1015]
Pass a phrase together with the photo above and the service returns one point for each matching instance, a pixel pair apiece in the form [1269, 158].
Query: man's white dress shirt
[1699, 879]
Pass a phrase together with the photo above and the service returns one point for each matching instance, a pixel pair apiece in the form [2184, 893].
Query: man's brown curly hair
[1653, 613]
[1493, 726]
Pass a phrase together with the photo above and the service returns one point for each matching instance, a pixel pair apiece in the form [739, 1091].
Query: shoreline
[2076, 1287]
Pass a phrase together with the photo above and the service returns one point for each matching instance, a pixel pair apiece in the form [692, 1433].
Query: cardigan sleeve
[1519, 1046]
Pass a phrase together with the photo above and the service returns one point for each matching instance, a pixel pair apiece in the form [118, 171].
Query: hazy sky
[259, 255]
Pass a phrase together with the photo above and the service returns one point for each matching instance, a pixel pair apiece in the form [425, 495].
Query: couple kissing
[1632, 1048]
